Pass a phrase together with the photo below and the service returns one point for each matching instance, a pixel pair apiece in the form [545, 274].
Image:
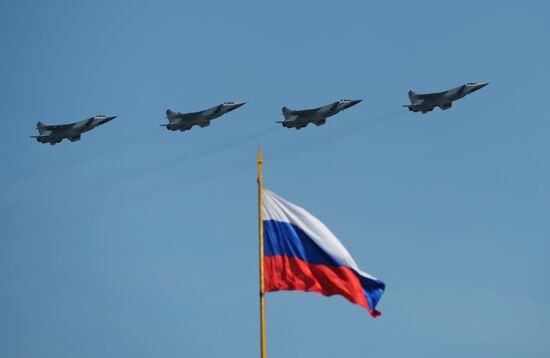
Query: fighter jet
[318, 116]
[427, 102]
[56, 133]
[184, 121]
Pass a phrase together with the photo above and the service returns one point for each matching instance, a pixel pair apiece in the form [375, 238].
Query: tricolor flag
[301, 253]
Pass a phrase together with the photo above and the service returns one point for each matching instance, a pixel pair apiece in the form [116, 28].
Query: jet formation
[427, 102]
[297, 119]
[184, 121]
[318, 116]
[56, 133]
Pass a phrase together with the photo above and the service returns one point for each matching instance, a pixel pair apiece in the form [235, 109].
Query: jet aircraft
[56, 133]
[184, 121]
[427, 102]
[318, 116]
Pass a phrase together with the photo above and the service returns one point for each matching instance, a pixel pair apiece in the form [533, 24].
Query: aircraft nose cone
[354, 102]
[110, 118]
[479, 86]
[235, 105]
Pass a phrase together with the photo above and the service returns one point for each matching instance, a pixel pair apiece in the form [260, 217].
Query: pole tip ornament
[260, 158]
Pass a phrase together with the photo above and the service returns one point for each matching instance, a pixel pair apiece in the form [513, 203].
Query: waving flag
[301, 253]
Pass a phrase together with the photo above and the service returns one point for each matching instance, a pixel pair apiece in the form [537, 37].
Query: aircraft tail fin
[413, 95]
[287, 112]
[171, 115]
[41, 126]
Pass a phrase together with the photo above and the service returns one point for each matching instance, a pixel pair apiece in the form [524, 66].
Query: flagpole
[261, 229]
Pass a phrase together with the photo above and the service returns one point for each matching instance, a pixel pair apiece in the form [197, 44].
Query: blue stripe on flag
[285, 239]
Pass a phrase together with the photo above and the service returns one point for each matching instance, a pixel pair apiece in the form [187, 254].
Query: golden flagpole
[261, 228]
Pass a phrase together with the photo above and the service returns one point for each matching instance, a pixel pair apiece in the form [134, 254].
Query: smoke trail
[75, 160]
[202, 153]
[301, 146]
[223, 172]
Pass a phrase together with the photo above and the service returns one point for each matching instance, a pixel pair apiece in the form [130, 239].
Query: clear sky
[140, 242]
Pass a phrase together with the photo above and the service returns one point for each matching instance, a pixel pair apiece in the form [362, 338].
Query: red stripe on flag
[283, 273]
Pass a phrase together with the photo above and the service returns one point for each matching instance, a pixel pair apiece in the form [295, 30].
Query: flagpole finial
[260, 158]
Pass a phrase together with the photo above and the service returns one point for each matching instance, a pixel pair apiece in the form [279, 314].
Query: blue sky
[141, 242]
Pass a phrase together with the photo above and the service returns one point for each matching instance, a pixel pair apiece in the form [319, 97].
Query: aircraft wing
[57, 126]
[418, 108]
[431, 96]
[178, 116]
[306, 112]
[188, 117]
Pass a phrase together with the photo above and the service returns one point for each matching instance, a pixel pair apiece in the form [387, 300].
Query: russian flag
[301, 253]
